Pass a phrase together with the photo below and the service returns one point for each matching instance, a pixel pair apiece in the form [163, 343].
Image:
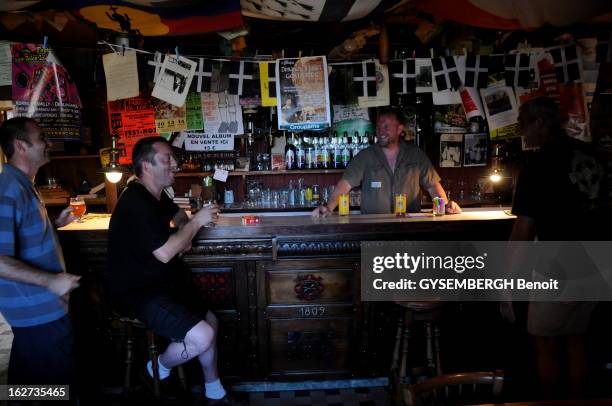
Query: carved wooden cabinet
[307, 315]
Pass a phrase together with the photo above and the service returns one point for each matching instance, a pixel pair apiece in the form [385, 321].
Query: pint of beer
[78, 207]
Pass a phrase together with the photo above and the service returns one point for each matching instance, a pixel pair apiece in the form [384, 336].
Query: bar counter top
[289, 224]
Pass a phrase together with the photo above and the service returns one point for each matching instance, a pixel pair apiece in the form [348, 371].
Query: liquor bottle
[290, 159]
[337, 154]
[365, 142]
[318, 146]
[367, 136]
[300, 154]
[325, 153]
[309, 150]
[346, 152]
[356, 146]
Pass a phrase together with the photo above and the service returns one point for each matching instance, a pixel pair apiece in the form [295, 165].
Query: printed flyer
[43, 90]
[302, 91]
[132, 119]
[169, 118]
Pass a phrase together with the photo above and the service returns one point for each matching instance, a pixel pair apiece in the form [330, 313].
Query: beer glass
[78, 208]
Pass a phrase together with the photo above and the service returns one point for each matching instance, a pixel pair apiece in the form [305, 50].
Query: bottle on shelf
[337, 153]
[309, 151]
[290, 153]
[355, 145]
[346, 152]
[300, 154]
[325, 161]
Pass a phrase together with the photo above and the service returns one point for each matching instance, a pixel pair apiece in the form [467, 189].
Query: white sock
[214, 390]
[163, 371]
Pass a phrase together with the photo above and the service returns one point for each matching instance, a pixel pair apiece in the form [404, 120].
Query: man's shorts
[552, 319]
[170, 315]
[43, 354]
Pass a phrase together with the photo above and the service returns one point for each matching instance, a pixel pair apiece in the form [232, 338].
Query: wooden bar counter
[286, 290]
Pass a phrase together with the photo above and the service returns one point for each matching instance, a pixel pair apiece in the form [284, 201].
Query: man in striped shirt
[34, 285]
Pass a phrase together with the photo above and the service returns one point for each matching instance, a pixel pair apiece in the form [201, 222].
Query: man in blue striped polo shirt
[34, 285]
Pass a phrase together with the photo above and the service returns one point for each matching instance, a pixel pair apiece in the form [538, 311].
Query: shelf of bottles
[307, 150]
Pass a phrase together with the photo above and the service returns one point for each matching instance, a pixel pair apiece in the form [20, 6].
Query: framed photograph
[450, 150]
[475, 149]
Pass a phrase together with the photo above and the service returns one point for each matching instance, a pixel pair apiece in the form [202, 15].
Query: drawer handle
[309, 287]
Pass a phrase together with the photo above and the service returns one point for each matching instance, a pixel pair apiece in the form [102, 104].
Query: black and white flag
[244, 80]
[604, 48]
[567, 63]
[445, 73]
[364, 78]
[476, 71]
[403, 76]
[154, 64]
[271, 79]
[519, 70]
[202, 78]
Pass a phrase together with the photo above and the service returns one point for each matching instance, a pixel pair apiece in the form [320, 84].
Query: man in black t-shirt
[145, 272]
[561, 196]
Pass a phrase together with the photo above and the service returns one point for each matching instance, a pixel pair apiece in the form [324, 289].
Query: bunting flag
[154, 64]
[519, 70]
[364, 78]
[476, 71]
[244, 81]
[567, 63]
[267, 81]
[604, 48]
[445, 73]
[202, 78]
[403, 75]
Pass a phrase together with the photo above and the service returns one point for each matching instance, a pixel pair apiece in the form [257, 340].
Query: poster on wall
[169, 118]
[475, 149]
[450, 150]
[131, 119]
[450, 118]
[222, 113]
[6, 67]
[43, 90]
[174, 80]
[200, 141]
[500, 109]
[193, 104]
[302, 93]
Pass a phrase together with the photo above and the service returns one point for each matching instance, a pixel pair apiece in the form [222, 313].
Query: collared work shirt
[379, 183]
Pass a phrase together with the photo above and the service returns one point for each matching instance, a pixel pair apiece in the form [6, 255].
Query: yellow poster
[267, 80]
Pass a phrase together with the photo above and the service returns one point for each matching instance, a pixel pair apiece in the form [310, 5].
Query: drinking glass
[78, 207]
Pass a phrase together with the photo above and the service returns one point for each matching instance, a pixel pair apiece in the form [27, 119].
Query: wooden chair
[453, 389]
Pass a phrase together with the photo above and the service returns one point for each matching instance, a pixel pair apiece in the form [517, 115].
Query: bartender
[389, 167]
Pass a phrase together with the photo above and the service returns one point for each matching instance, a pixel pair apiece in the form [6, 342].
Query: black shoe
[227, 400]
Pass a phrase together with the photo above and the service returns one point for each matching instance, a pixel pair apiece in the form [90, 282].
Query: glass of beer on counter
[400, 204]
[343, 204]
[78, 207]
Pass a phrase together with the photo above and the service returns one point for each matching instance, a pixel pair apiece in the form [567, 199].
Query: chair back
[454, 389]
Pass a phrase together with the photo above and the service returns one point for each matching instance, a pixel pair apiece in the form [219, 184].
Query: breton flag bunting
[267, 79]
[476, 71]
[445, 73]
[519, 70]
[567, 63]
[154, 64]
[244, 79]
[403, 75]
[364, 78]
[202, 78]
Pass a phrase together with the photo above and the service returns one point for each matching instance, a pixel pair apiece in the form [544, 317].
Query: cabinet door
[308, 316]
[219, 284]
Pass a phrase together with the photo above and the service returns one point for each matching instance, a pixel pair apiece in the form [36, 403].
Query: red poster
[132, 119]
[43, 90]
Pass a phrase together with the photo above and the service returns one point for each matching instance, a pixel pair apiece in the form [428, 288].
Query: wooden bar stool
[129, 325]
[429, 314]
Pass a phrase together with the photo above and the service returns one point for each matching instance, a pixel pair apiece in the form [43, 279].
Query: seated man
[145, 271]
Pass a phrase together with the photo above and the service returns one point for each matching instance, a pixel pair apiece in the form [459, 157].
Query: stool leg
[129, 357]
[404, 361]
[398, 341]
[437, 349]
[182, 379]
[154, 363]
[430, 345]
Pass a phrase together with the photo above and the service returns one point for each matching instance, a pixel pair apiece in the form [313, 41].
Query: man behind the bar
[389, 167]
[146, 275]
[560, 196]
[34, 285]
